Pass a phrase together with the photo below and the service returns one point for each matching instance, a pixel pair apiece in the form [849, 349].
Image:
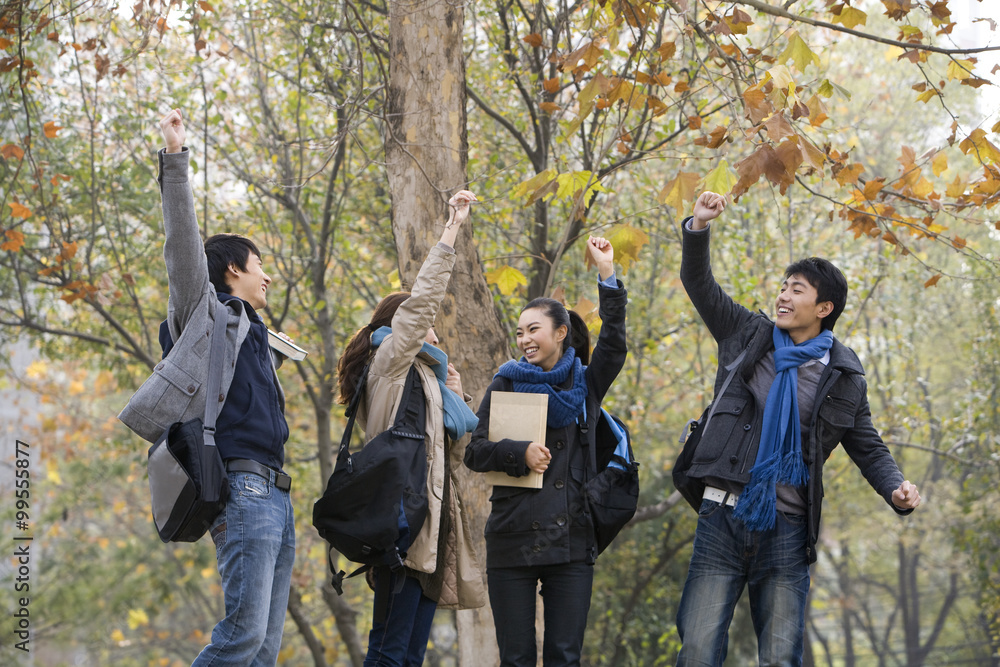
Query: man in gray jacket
[787, 393]
[255, 534]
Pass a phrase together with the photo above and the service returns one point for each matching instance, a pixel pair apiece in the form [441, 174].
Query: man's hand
[707, 207]
[537, 456]
[172, 127]
[906, 497]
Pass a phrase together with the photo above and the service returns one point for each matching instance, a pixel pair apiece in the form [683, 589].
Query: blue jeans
[566, 595]
[727, 557]
[401, 639]
[255, 546]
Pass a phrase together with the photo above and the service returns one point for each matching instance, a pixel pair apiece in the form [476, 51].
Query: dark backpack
[613, 484]
[376, 499]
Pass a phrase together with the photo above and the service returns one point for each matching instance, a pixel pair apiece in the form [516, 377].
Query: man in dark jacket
[795, 393]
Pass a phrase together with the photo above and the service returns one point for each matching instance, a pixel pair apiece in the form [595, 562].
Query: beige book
[517, 416]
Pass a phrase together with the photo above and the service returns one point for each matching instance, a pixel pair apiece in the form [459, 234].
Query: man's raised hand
[172, 127]
[707, 207]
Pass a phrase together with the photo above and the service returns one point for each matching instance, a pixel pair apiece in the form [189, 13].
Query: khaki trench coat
[443, 556]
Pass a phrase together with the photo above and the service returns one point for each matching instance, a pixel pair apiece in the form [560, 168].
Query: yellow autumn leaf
[507, 279]
[940, 164]
[983, 148]
[207, 572]
[849, 17]
[627, 242]
[799, 53]
[52, 473]
[529, 186]
[781, 76]
[678, 190]
[137, 617]
[117, 636]
[51, 129]
[960, 69]
[721, 179]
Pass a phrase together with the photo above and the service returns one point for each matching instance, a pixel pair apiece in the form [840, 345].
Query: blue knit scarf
[779, 455]
[564, 404]
[458, 418]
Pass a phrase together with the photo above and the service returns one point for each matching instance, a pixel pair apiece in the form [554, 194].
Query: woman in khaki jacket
[441, 565]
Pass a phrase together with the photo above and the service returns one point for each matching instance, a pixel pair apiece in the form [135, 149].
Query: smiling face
[250, 285]
[539, 340]
[796, 310]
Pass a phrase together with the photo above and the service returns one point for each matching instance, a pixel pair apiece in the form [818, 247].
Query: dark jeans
[401, 639]
[566, 599]
[726, 558]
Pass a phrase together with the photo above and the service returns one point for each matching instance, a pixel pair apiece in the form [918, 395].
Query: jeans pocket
[708, 508]
[793, 519]
[254, 486]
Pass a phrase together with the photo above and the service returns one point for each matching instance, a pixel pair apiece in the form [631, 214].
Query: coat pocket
[720, 432]
[166, 395]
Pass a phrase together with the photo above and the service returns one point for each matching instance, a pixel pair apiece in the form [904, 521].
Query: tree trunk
[426, 156]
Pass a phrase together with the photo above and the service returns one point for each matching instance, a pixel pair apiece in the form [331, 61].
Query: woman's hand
[459, 208]
[454, 381]
[537, 456]
[601, 253]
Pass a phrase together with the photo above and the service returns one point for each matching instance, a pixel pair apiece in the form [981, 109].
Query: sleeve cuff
[611, 281]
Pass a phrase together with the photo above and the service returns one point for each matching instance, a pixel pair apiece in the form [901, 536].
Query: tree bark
[426, 156]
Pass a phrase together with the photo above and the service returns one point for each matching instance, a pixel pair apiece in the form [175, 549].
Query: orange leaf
[551, 85]
[667, 50]
[205, 7]
[959, 242]
[694, 122]
[51, 129]
[14, 242]
[5, 43]
[933, 280]
[12, 150]
[549, 106]
[714, 139]
[19, 210]
[534, 39]
[873, 187]
[849, 175]
[68, 251]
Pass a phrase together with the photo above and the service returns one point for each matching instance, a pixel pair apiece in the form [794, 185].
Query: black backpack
[376, 499]
[612, 486]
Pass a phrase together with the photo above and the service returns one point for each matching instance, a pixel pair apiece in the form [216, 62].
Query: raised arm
[183, 249]
[611, 348]
[416, 315]
[721, 314]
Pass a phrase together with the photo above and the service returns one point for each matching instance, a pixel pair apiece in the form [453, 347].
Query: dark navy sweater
[252, 424]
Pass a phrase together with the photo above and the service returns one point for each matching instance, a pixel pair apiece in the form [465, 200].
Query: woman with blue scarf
[441, 568]
[546, 535]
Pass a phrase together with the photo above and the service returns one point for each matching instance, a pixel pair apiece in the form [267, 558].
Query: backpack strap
[352, 413]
